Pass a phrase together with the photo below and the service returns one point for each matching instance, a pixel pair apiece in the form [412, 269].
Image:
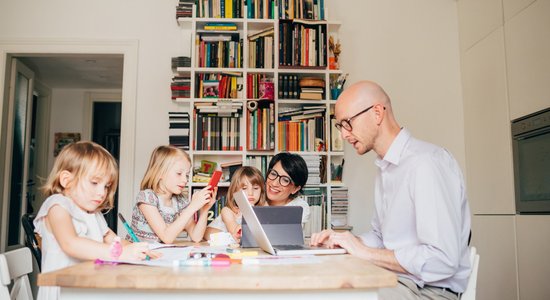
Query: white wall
[505, 69]
[410, 48]
[151, 24]
[67, 113]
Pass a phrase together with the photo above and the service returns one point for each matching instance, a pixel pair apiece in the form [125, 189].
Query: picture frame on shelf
[64, 138]
[210, 89]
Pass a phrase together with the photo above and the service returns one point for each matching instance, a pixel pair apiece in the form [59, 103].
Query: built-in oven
[531, 151]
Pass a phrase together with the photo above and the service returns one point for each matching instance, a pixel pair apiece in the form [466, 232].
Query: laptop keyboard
[290, 247]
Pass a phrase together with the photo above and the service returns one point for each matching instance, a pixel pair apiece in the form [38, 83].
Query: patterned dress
[169, 213]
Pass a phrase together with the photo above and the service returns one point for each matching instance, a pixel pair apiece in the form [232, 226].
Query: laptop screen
[282, 225]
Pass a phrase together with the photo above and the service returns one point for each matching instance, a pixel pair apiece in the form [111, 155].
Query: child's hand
[136, 251]
[201, 198]
[236, 233]
[208, 205]
[154, 254]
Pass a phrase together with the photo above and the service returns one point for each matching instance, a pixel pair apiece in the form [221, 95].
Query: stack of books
[339, 209]
[312, 88]
[315, 198]
[311, 93]
[178, 132]
[181, 61]
[313, 163]
[220, 26]
[185, 9]
[204, 172]
[181, 87]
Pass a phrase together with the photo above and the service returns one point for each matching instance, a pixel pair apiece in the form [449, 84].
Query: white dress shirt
[422, 213]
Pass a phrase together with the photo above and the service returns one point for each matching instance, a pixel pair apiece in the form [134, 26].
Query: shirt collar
[396, 149]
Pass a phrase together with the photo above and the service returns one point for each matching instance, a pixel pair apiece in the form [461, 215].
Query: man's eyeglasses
[346, 124]
[283, 179]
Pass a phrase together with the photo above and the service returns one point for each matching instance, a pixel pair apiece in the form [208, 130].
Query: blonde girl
[252, 182]
[161, 211]
[81, 184]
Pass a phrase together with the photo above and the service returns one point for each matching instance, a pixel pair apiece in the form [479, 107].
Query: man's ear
[380, 112]
[65, 178]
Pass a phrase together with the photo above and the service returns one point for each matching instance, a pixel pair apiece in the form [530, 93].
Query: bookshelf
[258, 83]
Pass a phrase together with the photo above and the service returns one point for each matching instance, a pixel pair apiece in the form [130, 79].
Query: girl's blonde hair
[82, 159]
[162, 158]
[254, 176]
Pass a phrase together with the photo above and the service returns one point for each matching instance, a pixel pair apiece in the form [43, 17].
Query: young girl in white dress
[161, 211]
[252, 182]
[81, 184]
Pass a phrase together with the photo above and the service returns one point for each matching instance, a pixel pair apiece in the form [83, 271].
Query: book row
[216, 53]
[213, 132]
[255, 9]
[302, 44]
[261, 129]
[302, 135]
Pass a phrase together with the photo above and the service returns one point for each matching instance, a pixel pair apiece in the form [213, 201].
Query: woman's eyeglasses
[283, 179]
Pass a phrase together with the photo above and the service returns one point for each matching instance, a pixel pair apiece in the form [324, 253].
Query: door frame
[16, 67]
[42, 135]
[129, 50]
[89, 99]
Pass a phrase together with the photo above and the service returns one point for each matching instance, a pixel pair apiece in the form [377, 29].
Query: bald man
[421, 222]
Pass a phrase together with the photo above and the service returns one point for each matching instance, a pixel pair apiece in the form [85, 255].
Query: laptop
[281, 224]
[263, 241]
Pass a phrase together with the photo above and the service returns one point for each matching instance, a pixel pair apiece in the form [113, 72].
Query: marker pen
[201, 262]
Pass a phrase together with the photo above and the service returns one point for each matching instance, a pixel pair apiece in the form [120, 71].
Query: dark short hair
[294, 165]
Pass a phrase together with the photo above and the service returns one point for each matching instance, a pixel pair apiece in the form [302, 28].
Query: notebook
[257, 231]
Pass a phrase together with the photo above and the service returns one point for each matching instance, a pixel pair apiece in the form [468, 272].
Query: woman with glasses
[285, 179]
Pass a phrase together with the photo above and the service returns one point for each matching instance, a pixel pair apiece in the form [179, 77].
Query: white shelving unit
[191, 27]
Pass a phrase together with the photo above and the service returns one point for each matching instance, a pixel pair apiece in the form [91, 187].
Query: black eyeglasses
[283, 179]
[346, 124]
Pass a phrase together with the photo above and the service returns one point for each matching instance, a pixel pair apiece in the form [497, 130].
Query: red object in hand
[215, 179]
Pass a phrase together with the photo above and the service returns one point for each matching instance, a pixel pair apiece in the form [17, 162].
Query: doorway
[127, 51]
[18, 124]
[105, 114]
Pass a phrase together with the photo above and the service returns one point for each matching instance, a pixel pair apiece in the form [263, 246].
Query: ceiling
[82, 71]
